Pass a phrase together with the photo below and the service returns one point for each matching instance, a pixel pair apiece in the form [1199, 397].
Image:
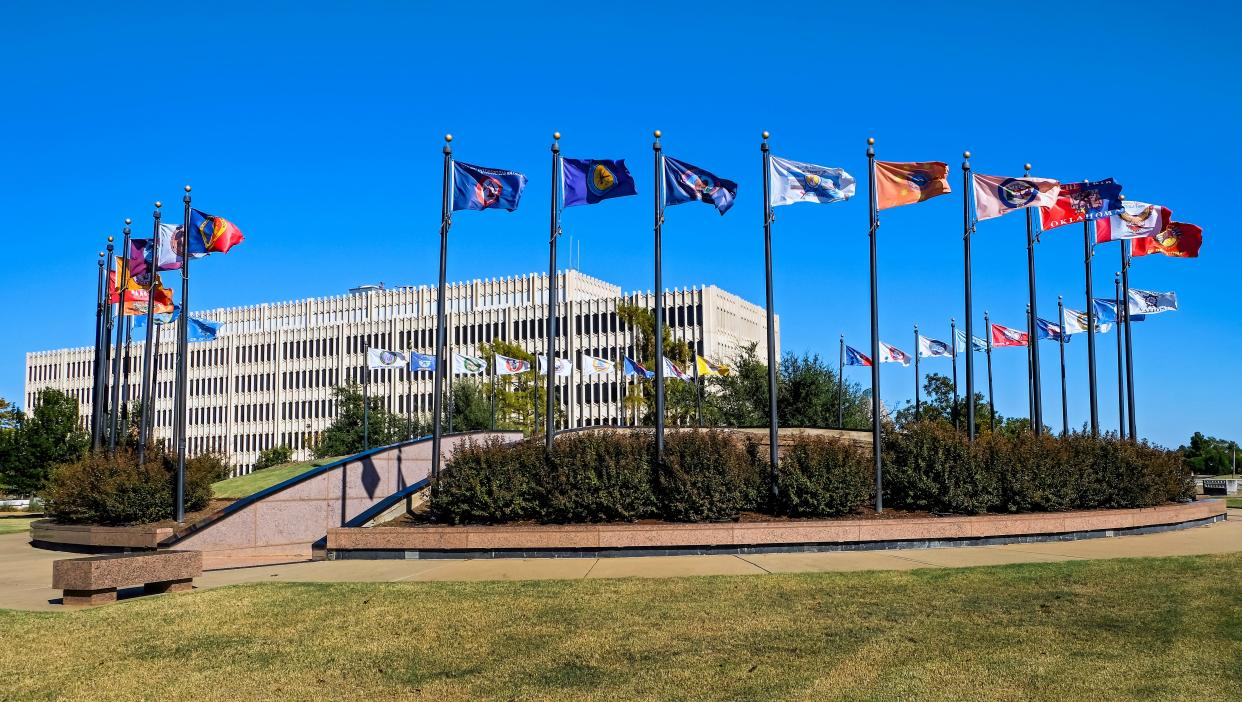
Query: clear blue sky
[317, 128]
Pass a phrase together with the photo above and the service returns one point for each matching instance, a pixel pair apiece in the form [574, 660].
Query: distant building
[266, 380]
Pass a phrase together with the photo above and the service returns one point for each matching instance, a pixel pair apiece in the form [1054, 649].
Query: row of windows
[309, 348]
[310, 378]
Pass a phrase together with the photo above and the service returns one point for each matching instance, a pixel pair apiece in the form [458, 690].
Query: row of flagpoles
[1140, 227]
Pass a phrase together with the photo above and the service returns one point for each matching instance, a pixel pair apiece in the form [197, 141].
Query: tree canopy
[31, 446]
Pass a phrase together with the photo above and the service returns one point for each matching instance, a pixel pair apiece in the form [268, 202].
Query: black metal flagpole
[987, 324]
[1087, 255]
[182, 403]
[446, 221]
[129, 331]
[968, 227]
[1030, 379]
[1037, 404]
[953, 336]
[1121, 379]
[148, 344]
[366, 397]
[1124, 309]
[101, 292]
[773, 432]
[698, 381]
[555, 232]
[658, 301]
[122, 287]
[493, 391]
[841, 386]
[875, 329]
[106, 412]
[918, 405]
[1061, 345]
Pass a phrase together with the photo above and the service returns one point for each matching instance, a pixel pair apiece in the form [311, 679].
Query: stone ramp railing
[285, 521]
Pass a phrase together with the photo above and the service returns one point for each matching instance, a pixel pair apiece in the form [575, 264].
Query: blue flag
[1105, 310]
[854, 357]
[588, 181]
[633, 367]
[1048, 330]
[479, 188]
[202, 329]
[422, 362]
[959, 342]
[686, 183]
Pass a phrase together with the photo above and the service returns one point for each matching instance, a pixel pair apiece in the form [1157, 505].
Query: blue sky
[317, 128]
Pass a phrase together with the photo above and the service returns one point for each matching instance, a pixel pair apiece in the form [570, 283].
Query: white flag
[510, 366]
[468, 365]
[592, 365]
[564, 368]
[997, 195]
[1147, 302]
[1076, 323]
[792, 181]
[380, 358]
[931, 348]
[892, 354]
[671, 370]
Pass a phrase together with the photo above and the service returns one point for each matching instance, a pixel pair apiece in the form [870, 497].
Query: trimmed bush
[707, 476]
[113, 490]
[929, 466]
[273, 456]
[599, 477]
[821, 477]
[490, 483]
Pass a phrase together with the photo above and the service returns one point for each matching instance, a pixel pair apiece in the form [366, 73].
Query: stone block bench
[94, 580]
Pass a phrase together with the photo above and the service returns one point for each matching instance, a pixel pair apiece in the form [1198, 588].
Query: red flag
[1179, 239]
[1004, 336]
[1138, 220]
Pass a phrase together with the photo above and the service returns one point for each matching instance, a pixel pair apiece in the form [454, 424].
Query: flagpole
[96, 406]
[953, 336]
[1124, 308]
[493, 391]
[155, 374]
[698, 384]
[841, 385]
[409, 396]
[1121, 380]
[917, 403]
[1037, 418]
[1030, 379]
[105, 412]
[875, 329]
[182, 402]
[551, 333]
[773, 436]
[446, 221]
[987, 324]
[968, 227]
[1061, 345]
[1087, 255]
[122, 288]
[366, 398]
[658, 302]
[147, 394]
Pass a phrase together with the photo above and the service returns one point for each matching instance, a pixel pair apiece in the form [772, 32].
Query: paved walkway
[26, 572]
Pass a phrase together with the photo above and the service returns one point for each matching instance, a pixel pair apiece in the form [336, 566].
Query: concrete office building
[266, 380]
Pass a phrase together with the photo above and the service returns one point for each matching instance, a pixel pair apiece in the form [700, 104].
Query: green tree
[1208, 455]
[679, 397]
[345, 435]
[273, 456]
[32, 446]
[470, 408]
[807, 392]
[516, 395]
[937, 405]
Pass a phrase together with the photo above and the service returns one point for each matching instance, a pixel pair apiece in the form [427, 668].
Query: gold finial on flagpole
[657, 133]
[870, 141]
[766, 134]
[556, 136]
[448, 137]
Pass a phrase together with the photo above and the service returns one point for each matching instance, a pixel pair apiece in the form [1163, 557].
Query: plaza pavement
[26, 572]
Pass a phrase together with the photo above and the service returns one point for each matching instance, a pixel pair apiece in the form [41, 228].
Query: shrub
[707, 476]
[273, 456]
[113, 490]
[598, 476]
[821, 477]
[490, 482]
[930, 466]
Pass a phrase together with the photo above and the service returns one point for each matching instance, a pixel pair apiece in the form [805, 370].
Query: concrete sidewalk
[26, 572]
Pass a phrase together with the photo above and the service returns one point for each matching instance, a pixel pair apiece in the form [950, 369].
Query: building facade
[267, 379]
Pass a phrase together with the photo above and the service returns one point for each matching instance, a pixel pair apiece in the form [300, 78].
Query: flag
[564, 368]
[931, 348]
[1048, 330]
[510, 366]
[632, 367]
[140, 253]
[1078, 202]
[479, 188]
[1076, 323]
[140, 322]
[1004, 336]
[959, 342]
[706, 367]
[422, 362]
[1136, 220]
[202, 329]
[1105, 309]
[588, 181]
[998, 195]
[212, 234]
[133, 291]
[793, 181]
[854, 357]
[592, 365]
[381, 358]
[686, 183]
[1147, 302]
[892, 354]
[468, 365]
[907, 183]
[136, 302]
[671, 370]
[1177, 239]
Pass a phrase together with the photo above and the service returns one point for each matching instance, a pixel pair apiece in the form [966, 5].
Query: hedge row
[712, 475]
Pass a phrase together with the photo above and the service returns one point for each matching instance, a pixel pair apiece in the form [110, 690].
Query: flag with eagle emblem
[1136, 220]
[1177, 239]
[998, 195]
[588, 181]
[686, 183]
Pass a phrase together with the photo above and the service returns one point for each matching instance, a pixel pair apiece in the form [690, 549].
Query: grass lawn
[1234, 502]
[16, 525]
[244, 485]
[1091, 630]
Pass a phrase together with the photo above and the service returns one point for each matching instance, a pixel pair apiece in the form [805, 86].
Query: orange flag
[907, 183]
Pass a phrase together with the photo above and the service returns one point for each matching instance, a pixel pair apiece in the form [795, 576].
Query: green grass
[244, 485]
[1167, 628]
[16, 525]
[1233, 502]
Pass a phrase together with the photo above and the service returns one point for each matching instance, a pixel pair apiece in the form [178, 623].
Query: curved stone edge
[618, 540]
